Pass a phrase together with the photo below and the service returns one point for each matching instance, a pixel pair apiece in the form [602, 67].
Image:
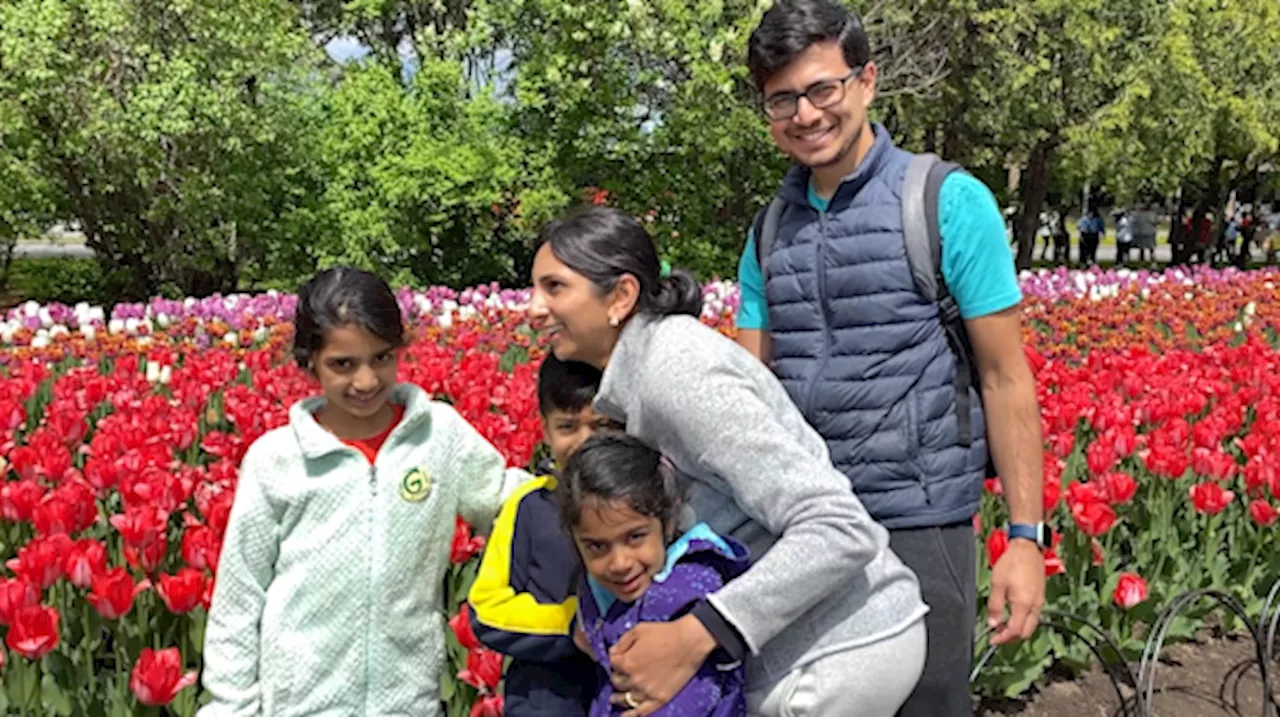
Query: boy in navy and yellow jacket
[524, 597]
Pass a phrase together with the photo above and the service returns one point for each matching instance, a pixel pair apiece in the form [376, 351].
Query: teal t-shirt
[977, 262]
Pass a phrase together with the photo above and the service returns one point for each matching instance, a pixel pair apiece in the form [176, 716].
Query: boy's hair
[792, 26]
[567, 386]
[344, 296]
[611, 467]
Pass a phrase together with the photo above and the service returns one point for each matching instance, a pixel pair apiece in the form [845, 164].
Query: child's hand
[580, 639]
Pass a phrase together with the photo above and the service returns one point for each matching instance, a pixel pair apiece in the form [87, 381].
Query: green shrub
[64, 279]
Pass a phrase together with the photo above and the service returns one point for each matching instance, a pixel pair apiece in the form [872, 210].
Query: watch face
[1046, 535]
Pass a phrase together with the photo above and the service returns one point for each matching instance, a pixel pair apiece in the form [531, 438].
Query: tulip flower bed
[121, 432]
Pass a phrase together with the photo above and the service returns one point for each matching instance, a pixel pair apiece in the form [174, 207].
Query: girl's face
[574, 318]
[356, 370]
[620, 548]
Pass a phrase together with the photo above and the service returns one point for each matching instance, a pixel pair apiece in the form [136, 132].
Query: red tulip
[15, 594]
[158, 677]
[1213, 462]
[40, 560]
[1052, 563]
[997, 543]
[1130, 591]
[1100, 457]
[18, 500]
[1121, 487]
[464, 547]
[483, 670]
[113, 593]
[487, 706]
[1051, 494]
[200, 547]
[1210, 498]
[85, 559]
[1262, 512]
[141, 525]
[146, 559]
[1094, 517]
[461, 626]
[181, 593]
[33, 632]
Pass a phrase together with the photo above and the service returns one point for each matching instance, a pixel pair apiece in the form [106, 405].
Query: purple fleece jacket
[698, 563]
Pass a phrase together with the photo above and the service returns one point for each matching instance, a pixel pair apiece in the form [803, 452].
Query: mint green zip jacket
[328, 596]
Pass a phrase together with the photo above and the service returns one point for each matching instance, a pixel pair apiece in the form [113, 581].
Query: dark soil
[1215, 677]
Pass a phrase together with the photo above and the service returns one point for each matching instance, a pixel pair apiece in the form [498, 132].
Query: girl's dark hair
[344, 296]
[792, 26]
[603, 244]
[611, 467]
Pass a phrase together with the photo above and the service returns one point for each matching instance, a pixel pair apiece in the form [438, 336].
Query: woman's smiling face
[577, 320]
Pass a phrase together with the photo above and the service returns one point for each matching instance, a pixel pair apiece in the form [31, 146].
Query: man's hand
[655, 660]
[1016, 581]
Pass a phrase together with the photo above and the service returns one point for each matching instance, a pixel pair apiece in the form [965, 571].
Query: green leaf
[54, 697]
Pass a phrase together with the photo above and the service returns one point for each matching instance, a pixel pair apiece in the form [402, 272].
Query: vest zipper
[820, 273]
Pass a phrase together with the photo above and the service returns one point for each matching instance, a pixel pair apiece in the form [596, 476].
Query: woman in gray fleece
[829, 620]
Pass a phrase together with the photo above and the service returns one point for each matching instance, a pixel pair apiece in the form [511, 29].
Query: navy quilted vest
[863, 354]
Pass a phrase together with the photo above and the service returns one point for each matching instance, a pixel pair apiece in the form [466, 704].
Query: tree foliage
[174, 133]
[209, 145]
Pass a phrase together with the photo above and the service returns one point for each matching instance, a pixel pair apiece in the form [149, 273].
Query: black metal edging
[1145, 679]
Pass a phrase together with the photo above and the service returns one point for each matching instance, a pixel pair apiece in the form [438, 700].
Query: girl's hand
[655, 660]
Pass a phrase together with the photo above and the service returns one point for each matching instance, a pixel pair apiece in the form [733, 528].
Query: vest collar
[795, 186]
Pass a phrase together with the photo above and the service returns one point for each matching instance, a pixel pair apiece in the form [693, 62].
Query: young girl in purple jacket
[620, 503]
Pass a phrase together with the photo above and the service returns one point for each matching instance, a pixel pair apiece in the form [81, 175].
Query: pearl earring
[613, 321]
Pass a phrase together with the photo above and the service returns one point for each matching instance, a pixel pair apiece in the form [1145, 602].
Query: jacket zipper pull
[373, 480]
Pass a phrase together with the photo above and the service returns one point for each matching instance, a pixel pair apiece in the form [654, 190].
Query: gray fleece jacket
[824, 578]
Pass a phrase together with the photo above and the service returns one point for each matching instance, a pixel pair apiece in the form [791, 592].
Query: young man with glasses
[867, 357]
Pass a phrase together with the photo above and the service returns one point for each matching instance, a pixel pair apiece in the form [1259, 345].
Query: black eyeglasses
[821, 94]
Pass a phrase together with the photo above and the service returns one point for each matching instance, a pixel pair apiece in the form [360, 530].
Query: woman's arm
[706, 405]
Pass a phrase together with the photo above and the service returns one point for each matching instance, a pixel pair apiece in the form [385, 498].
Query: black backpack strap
[765, 231]
[922, 234]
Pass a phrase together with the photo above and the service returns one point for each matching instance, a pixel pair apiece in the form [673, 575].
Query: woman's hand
[655, 660]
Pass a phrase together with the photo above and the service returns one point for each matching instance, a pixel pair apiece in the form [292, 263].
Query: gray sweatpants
[867, 681]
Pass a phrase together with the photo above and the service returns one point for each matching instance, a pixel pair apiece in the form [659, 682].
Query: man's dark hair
[792, 26]
[567, 386]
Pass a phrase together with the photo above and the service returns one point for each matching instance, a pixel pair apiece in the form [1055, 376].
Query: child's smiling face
[622, 549]
[565, 430]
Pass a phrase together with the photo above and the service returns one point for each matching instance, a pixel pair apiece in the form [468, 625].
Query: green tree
[427, 185]
[1200, 111]
[174, 133]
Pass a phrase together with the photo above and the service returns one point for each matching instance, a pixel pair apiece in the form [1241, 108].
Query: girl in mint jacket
[328, 594]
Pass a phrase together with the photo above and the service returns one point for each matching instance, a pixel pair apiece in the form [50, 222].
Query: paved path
[49, 250]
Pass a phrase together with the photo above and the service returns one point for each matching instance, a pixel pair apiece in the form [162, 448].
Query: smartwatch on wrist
[1038, 533]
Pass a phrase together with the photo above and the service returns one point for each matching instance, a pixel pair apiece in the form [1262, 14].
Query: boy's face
[564, 431]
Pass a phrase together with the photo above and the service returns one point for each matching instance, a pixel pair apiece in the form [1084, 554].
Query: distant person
[1124, 237]
[1092, 228]
[1143, 230]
